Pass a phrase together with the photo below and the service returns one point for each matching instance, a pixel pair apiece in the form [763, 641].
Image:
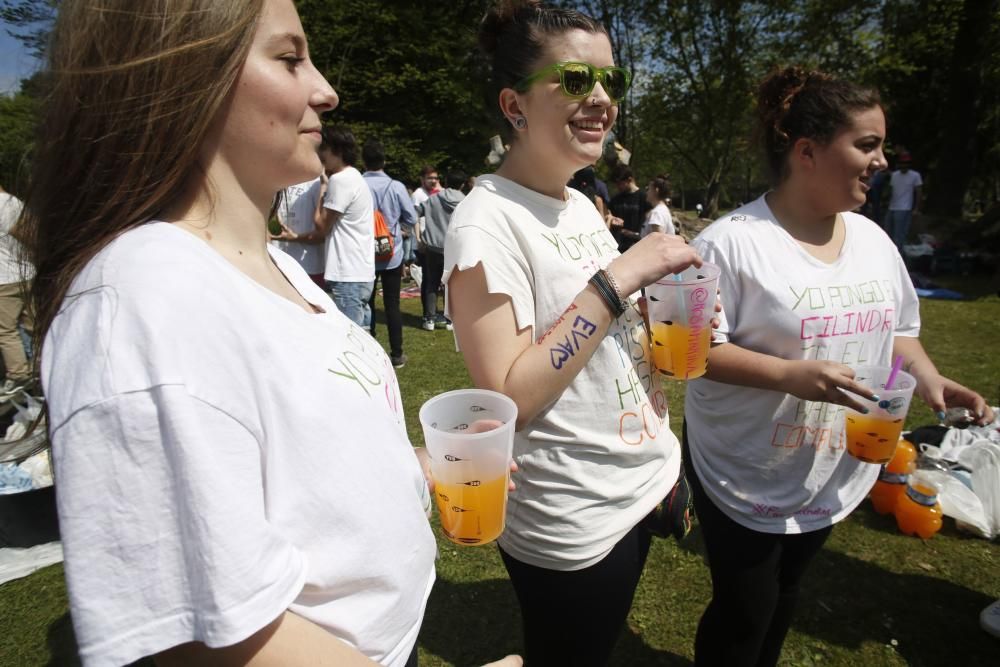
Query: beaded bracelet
[614, 285]
[602, 284]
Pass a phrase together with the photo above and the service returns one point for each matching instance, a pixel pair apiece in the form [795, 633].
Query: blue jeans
[408, 255]
[897, 224]
[352, 300]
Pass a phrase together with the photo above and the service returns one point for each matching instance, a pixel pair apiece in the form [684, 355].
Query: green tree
[939, 75]
[693, 116]
[407, 73]
[18, 116]
[29, 21]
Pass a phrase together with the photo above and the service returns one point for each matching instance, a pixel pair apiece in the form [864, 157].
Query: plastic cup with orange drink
[469, 435]
[680, 308]
[872, 437]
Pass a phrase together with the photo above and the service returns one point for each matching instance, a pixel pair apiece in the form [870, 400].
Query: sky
[15, 62]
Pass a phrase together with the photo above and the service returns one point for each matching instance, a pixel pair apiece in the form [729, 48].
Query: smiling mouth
[588, 124]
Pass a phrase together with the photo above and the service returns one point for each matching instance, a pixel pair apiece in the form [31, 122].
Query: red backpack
[384, 242]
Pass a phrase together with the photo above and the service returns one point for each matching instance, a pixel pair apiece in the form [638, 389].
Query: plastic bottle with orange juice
[918, 511]
[891, 483]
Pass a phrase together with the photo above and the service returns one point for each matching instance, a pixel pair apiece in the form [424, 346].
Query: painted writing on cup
[696, 322]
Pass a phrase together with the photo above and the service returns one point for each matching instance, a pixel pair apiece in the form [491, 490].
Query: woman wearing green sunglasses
[545, 311]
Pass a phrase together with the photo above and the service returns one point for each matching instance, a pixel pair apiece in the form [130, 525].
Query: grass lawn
[872, 597]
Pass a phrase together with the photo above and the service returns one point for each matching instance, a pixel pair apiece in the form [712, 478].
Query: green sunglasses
[578, 79]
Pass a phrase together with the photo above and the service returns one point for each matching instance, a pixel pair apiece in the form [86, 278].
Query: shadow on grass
[63, 650]
[410, 320]
[471, 623]
[61, 641]
[847, 601]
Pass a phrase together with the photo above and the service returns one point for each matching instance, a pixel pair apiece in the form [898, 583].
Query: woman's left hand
[940, 393]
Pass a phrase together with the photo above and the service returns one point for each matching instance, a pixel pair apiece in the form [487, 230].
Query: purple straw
[896, 365]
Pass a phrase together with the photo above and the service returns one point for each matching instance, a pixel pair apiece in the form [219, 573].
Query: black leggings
[755, 584]
[391, 284]
[575, 617]
[430, 282]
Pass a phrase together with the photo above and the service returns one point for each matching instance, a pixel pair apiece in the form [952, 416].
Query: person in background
[390, 197]
[904, 200]
[430, 183]
[344, 227]
[545, 311]
[15, 317]
[602, 192]
[628, 208]
[585, 180]
[300, 205]
[236, 485]
[658, 196]
[764, 428]
[873, 204]
[436, 212]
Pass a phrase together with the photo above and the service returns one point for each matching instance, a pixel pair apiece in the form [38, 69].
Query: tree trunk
[712, 198]
[961, 111]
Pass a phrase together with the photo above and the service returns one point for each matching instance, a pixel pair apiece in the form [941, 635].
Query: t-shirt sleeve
[908, 317]
[729, 292]
[161, 505]
[661, 218]
[339, 195]
[507, 272]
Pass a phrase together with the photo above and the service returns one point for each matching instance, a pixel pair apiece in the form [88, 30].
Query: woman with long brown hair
[235, 480]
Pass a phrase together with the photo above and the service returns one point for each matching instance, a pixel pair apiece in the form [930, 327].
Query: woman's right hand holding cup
[826, 381]
[652, 258]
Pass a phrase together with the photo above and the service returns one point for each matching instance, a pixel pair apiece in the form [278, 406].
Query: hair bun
[499, 17]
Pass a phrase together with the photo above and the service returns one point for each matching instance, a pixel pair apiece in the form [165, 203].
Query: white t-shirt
[350, 247]
[903, 186]
[659, 220]
[10, 248]
[770, 461]
[223, 456]
[297, 209]
[601, 456]
[418, 197]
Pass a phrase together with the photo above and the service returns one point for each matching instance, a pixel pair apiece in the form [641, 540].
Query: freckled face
[270, 128]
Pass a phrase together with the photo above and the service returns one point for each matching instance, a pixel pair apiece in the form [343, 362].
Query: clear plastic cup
[470, 438]
[873, 437]
[680, 308]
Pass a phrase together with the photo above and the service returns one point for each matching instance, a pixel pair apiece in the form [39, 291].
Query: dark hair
[340, 141]
[621, 173]
[513, 35]
[455, 179]
[661, 186]
[373, 154]
[133, 89]
[793, 103]
[427, 170]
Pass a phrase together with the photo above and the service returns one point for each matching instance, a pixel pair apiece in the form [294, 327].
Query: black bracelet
[603, 286]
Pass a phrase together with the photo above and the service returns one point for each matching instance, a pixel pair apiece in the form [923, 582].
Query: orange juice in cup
[470, 438]
[872, 437]
[680, 308]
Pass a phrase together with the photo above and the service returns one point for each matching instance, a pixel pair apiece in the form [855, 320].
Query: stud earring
[519, 122]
